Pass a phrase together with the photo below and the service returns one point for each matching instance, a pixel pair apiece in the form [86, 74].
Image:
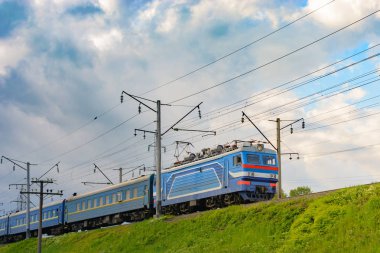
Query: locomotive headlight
[260, 147]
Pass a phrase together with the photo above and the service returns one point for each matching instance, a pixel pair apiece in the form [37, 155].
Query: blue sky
[64, 62]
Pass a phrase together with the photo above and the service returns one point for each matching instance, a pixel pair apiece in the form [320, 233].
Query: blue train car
[52, 220]
[131, 200]
[221, 176]
[3, 227]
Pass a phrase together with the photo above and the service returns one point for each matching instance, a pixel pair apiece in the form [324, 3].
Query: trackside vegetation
[347, 220]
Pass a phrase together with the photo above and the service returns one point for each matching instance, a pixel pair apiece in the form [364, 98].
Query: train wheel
[210, 202]
[184, 207]
[228, 199]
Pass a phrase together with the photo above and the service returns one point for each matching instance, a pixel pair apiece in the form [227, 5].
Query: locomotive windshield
[253, 159]
[257, 159]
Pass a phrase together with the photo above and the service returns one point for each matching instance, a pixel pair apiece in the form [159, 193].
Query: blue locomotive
[213, 178]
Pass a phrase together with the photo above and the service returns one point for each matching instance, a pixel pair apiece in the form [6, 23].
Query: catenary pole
[28, 200]
[158, 160]
[39, 249]
[279, 193]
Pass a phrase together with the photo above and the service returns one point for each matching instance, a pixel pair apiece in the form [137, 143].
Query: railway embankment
[346, 220]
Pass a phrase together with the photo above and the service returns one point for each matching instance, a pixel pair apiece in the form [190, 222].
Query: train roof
[58, 202]
[251, 148]
[133, 181]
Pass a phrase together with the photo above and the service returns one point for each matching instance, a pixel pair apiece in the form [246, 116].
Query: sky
[64, 64]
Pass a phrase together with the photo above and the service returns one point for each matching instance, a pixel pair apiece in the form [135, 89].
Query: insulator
[242, 119]
[298, 157]
[291, 130]
[1, 161]
[14, 167]
[303, 124]
[139, 108]
[121, 98]
[144, 135]
[290, 158]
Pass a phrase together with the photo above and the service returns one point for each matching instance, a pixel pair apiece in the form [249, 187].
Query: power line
[292, 81]
[342, 150]
[72, 132]
[92, 140]
[274, 60]
[237, 50]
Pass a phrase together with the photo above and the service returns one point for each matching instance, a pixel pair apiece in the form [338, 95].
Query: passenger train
[240, 173]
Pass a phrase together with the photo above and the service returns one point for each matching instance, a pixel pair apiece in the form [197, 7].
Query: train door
[225, 177]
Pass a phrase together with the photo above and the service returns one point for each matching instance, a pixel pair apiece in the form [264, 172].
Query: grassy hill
[344, 221]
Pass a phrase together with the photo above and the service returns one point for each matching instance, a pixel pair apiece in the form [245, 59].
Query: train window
[145, 190]
[135, 193]
[119, 196]
[100, 201]
[53, 213]
[108, 199]
[114, 198]
[237, 160]
[89, 204]
[83, 205]
[23, 221]
[253, 159]
[269, 160]
[128, 194]
[95, 204]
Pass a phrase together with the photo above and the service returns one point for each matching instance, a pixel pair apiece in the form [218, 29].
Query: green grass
[343, 221]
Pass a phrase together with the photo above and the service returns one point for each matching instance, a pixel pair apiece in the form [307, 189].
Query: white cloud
[337, 14]
[12, 51]
[107, 40]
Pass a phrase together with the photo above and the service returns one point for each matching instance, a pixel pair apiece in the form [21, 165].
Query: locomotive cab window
[253, 159]
[269, 160]
[237, 160]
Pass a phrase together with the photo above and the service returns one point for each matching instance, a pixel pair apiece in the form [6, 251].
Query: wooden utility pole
[41, 194]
